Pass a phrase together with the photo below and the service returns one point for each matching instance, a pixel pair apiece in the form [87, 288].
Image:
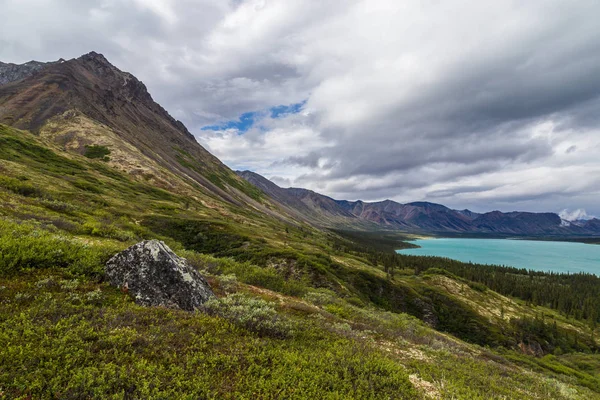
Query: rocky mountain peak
[120, 108]
[15, 72]
[95, 57]
[119, 83]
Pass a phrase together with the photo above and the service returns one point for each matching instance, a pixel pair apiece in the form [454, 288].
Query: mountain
[418, 217]
[592, 225]
[97, 166]
[307, 205]
[15, 72]
[88, 103]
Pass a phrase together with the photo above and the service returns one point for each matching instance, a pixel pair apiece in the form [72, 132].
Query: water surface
[537, 255]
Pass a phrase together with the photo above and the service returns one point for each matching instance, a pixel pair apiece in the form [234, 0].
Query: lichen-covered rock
[156, 276]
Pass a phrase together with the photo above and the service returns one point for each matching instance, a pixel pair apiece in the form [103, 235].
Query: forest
[574, 295]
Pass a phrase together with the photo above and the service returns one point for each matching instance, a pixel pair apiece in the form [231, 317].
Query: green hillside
[302, 312]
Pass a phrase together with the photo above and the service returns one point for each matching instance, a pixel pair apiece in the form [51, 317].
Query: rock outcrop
[155, 276]
[15, 72]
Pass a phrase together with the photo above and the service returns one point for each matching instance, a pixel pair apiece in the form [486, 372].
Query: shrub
[480, 287]
[25, 246]
[253, 314]
[58, 206]
[228, 282]
[18, 187]
[268, 278]
[339, 310]
[95, 228]
[196, 235]
[69, 285]
[95, 151]
[87, 186]
[321, 297]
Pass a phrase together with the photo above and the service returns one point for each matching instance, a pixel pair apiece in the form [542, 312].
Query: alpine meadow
[269, 246]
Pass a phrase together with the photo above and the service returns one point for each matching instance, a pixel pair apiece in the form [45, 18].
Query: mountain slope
[69, 102]
[15, 72]
[287, 298]
[418, 217]
[307, 205]
[302, 313]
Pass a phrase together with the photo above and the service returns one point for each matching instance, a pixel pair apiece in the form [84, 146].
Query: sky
[479, 105]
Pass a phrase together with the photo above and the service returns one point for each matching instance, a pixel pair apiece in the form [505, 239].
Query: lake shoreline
[540, 255]
[595, 240]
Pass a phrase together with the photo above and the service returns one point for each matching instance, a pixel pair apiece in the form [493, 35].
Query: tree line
[575, 295]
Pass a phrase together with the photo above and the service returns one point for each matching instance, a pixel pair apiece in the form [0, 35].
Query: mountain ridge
[105, 168]
[87, 101]
[425, 217]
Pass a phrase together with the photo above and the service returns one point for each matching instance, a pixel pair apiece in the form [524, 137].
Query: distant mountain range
[417, 217]
[74, 104]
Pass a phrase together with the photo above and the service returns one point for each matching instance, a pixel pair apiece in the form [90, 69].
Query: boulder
[155, 276]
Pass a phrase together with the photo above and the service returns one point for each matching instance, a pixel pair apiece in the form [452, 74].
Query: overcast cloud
[481, 105]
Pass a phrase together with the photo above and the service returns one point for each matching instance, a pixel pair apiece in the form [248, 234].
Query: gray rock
[15, 72]
[156, 276]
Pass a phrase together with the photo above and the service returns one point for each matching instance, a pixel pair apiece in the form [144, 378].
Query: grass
[300, 313]
[92, 341]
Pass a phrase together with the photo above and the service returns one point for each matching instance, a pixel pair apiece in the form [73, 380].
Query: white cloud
[574, 215]
[483, 105]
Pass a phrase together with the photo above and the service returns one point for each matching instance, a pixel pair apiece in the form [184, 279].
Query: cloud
[492, 108]
[571, 149]
[574, 215]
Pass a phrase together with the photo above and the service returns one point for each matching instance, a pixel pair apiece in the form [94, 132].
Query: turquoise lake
[530, 254]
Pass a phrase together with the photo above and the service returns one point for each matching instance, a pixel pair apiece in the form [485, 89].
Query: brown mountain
[417, 217]
[307, 205]
[88, 103]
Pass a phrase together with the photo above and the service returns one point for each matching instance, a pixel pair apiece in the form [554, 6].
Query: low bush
[19, 187]
[248, 273]
[228, 282]
[110, 231]
[253, 314]
[93, 342]
[321, 297]
[196, 235]
[87, 186]
[95, 151]
[25, 246]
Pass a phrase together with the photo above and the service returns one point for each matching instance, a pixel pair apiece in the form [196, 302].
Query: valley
[312, 300]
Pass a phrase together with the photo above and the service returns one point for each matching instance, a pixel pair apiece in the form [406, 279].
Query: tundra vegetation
[301, 313]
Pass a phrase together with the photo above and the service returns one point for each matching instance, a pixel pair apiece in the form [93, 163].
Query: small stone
[155, 276]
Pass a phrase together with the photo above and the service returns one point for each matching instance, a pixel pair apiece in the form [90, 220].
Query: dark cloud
[571, 149]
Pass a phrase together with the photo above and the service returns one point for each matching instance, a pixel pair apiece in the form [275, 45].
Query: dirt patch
[427, 388]
[408, 352]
